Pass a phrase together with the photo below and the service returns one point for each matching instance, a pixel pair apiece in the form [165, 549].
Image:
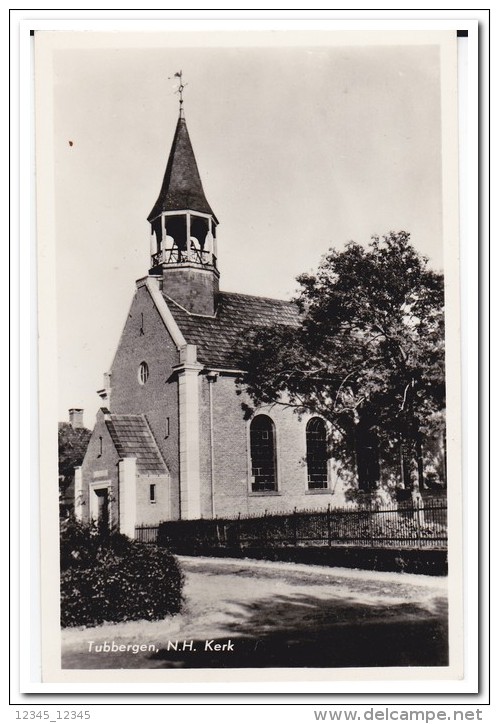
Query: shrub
[109, 578]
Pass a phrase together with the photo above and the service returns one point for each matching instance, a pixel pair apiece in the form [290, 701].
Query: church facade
[172, 440]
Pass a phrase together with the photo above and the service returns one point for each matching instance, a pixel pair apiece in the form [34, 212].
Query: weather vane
[180, 88]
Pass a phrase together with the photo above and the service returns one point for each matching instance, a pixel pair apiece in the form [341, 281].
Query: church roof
[217, 338]
[132, 437]
[182, 188]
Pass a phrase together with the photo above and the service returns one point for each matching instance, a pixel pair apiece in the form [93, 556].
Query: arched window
[143, 373]
[262, 446]
[316, 454]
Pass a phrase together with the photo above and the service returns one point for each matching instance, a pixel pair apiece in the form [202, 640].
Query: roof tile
[132, 437]
[218, 338]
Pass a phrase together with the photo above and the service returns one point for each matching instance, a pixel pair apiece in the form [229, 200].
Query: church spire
[181, 188]
[183, 225]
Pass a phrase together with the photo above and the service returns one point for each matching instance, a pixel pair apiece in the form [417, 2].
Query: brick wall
[149, 513]
[194, 288]
[231, 453]
[145, 338]
[100, 468]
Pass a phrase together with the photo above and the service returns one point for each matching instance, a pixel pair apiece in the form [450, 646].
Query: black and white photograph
[248, 258]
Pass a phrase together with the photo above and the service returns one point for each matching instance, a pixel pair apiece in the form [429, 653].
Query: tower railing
[174, 255]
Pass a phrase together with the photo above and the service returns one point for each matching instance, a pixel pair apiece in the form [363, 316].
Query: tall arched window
[262, 447]
[317, 454]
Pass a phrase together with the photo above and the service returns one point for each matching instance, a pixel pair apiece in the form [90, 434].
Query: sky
[300, 149]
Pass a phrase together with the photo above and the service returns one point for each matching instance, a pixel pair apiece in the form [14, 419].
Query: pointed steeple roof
[182, 188]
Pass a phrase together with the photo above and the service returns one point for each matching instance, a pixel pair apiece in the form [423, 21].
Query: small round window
[143, 373]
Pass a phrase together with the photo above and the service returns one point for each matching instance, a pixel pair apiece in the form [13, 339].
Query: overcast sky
[299, 149]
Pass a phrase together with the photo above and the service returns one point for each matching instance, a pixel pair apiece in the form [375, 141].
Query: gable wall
[158, 397]
[101, 467]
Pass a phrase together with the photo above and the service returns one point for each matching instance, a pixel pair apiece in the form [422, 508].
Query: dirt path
[256, 614]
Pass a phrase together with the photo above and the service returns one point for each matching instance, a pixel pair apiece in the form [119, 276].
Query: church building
[172, 440]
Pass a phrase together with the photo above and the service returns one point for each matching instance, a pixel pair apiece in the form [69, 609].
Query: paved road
[248, 614]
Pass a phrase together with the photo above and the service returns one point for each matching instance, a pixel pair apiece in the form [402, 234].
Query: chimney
[76, 418]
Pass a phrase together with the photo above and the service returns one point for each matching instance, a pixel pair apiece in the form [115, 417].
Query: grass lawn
[263, 614]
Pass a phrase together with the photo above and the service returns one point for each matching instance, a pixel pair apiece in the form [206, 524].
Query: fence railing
[404, 525]
[146, 533]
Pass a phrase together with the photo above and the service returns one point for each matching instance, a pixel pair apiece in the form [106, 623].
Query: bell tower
[183, 229]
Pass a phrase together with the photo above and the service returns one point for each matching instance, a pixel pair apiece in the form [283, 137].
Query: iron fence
[146, 533]
[405, 525]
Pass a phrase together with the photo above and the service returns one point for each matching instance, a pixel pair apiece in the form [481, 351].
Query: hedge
[110, 578]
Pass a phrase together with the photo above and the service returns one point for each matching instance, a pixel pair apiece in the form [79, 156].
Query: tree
[367, 355]
[72, 447]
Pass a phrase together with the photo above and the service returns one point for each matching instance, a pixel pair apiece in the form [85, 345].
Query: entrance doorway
[99, 507]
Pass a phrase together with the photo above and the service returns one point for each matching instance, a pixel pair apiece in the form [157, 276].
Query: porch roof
[132, 437]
